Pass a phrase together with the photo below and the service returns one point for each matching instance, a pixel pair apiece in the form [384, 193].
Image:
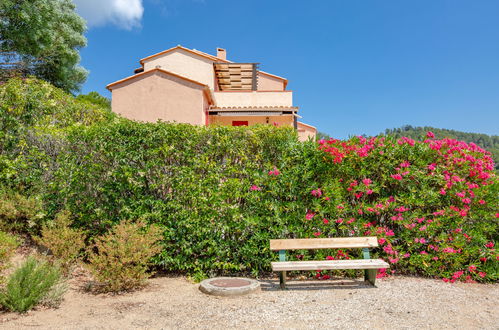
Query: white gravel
[175, 303]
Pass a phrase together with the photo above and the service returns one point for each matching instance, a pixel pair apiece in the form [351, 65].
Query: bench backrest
[323, 243]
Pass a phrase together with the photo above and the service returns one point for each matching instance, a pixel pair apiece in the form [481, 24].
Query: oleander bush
[220, 193]
[29, 285]
[120, 259]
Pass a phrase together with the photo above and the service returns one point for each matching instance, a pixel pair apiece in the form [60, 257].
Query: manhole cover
[229, 286]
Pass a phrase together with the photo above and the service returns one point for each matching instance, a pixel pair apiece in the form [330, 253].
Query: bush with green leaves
[8, 245]
[219, 194]
[19, 213]
[64, 242]
[29, 285]
[119, 260]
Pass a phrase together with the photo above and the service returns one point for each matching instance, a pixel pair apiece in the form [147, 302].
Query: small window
[239, 123]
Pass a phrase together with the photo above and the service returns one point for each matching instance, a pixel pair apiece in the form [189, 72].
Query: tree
[42, 38]
[322, 136]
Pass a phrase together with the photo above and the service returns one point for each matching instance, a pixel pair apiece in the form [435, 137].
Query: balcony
[253, 99]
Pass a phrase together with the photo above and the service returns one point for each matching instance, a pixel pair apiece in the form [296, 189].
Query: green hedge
[220, 193]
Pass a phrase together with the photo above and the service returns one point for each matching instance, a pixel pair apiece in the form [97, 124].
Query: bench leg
[282, 280]
[370, 276]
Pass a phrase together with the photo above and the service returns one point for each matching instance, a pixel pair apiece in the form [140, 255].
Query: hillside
[488, 142]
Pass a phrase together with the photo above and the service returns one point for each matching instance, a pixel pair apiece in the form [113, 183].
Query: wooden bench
[370, 265]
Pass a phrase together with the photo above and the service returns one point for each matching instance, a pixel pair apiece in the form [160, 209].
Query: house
[189, 86]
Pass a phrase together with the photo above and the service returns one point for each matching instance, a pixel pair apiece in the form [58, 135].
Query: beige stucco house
[189, 86]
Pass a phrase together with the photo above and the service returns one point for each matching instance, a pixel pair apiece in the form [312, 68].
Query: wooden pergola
[236, 76]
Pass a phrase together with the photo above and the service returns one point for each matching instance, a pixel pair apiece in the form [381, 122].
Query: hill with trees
[488, 142]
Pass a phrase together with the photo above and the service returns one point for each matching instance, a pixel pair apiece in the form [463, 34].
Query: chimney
[221, 53]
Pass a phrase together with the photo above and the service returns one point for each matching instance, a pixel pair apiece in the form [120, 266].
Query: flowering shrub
[432, 204]
[219, 194]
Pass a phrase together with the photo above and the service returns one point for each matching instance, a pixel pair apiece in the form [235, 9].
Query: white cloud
[126, 14]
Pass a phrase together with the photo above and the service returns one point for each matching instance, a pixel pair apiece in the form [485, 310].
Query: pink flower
[432, 166]
[396, 176]
[275, 172]
[381, 240]
[351, 220]
[457, 274]
[394, 260]
[254, 187]
[359, 195]
[317, 192]
[367, 182]
[481, 201]
[435, 258]
[309, 215]
[407, 255]
[369, 191]
[423, 252]
[482, 274]
[423, 228]
[381, 273]
[340, 220]
[483, 259]
[329, 258]
[317, 233]
[446, 280]
[326, 198]
[466, 200]
[442, 191]
[472, 268]
[490, 245]
[389, 232]
[430, 135]
[405, 164]
[340, 207]
[326, 221]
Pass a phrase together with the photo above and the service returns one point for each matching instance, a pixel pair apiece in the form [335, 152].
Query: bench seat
[280, 266]
[370, 266]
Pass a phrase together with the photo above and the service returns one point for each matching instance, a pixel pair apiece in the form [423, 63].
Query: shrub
[121, 258]
[29, 284]
[220, 193]
[64, 242]
[20, 214]
[8, 245]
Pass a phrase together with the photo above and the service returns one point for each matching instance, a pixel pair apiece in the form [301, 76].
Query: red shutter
[239, 123]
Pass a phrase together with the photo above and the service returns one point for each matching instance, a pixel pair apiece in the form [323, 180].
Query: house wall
[185, 64]
[268, 83]
[255, 99]
[283, 120]
[156, 95]
[306, 132]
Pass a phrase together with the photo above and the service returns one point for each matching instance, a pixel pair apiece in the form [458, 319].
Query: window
[239, 123]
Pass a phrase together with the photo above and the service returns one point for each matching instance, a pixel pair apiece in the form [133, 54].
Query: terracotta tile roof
[255, 108]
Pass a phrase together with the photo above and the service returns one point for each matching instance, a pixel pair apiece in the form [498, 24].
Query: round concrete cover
[229, 286]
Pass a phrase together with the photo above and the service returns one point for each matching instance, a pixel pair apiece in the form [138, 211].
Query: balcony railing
[253, 99]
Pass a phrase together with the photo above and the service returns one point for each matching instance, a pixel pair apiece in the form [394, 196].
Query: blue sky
[356, 66]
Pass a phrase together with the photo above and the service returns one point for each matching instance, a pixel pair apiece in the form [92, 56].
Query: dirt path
[175, 303]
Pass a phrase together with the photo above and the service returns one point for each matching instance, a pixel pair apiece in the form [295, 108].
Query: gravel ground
[176, 303]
